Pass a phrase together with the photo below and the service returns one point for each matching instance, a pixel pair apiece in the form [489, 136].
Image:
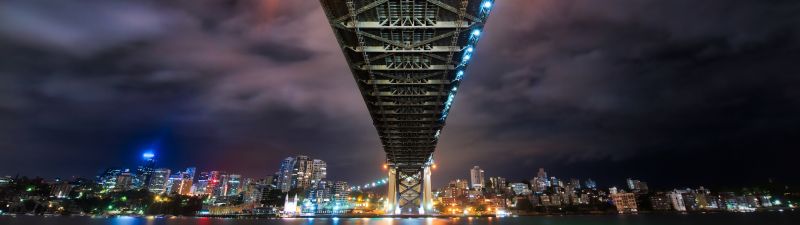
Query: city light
[476, 33]
[148, 155]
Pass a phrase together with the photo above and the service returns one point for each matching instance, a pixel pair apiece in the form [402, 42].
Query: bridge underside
[408, 58]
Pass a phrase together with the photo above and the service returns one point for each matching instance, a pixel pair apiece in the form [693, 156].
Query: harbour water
[650, 219]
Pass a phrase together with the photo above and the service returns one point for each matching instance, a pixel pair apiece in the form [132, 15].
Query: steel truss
[408, 58]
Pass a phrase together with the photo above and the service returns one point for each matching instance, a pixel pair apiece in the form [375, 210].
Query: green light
[29, 189]
[110, 207]
[123, 198]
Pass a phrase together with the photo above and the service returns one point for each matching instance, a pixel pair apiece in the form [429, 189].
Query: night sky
[677, 93]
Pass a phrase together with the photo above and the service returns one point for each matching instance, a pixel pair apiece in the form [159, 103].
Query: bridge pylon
[409, 192]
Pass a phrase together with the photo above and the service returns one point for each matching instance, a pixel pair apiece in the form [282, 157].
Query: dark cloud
[679, 91]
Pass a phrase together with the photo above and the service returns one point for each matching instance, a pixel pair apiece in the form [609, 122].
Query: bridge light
[460, 75]
[487, 5]
[385, 166]
[476, 32]
[433, 166]
[470, 49]
[467, 57]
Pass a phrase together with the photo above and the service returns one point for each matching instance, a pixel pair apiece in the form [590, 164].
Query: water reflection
[714, 219]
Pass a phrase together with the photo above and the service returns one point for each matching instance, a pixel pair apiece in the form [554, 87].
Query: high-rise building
[159, 181]
[214, 181]
[541, 174]
[497, 185]
[145, 171]
[285, 174]
[661, 202]
[625, 202]
[108, 180]
[232, 185]
[637, 186]
[341, 192]
[124, 181]
[538, 184]
[181, 182]
[476, 178]
[319, 170]
[201, 184]
[677, 200]
[520, 189]
[300, 172]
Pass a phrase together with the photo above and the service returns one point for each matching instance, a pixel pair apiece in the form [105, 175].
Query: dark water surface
[708, 219]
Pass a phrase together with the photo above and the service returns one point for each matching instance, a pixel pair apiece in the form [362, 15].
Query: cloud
[582, 87]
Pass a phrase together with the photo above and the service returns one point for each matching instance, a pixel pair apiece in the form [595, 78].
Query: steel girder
[408, 58]
[405, 56]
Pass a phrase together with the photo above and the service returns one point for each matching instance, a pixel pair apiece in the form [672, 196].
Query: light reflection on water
[712, 219]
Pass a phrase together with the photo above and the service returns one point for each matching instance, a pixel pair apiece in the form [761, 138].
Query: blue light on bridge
[476, 33]
[460, 75]
[487, 5]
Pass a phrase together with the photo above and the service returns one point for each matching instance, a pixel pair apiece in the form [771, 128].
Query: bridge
[408, 58]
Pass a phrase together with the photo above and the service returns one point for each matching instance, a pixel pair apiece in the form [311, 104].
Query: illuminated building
[213, 180]
[108, 180]
[60, 189]
[538, 184]
[124, 181]
[637, 186]
[497, 185]
[341, 192]
[300, 172]
[201, 184]
[181, 182]
[145, 171]
[520, 189]
[677, 200]
[476, 178]
[159, 180]
[661, 202]
[232, 184]
[319, 170]
[625, 202]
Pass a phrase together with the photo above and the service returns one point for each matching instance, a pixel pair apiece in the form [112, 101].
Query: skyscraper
[181, 182]
[145, 171]
[319, 171]
[341, 192]
[232, 185]
[497, 185]
[285, 174]
[159, 181]
[476, 178]
[300, 172]
[542, 175]
[124, 181]
[108, 180]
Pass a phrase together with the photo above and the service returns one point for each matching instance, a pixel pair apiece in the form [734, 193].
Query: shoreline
[791, 211]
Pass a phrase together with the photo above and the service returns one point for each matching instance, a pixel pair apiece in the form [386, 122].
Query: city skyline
[604, 93]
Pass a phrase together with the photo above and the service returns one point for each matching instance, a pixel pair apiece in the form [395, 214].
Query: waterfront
[655, 219]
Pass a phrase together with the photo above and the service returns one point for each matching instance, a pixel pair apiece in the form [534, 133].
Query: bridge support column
[409, 192]
[427, 195]
[391, 206]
